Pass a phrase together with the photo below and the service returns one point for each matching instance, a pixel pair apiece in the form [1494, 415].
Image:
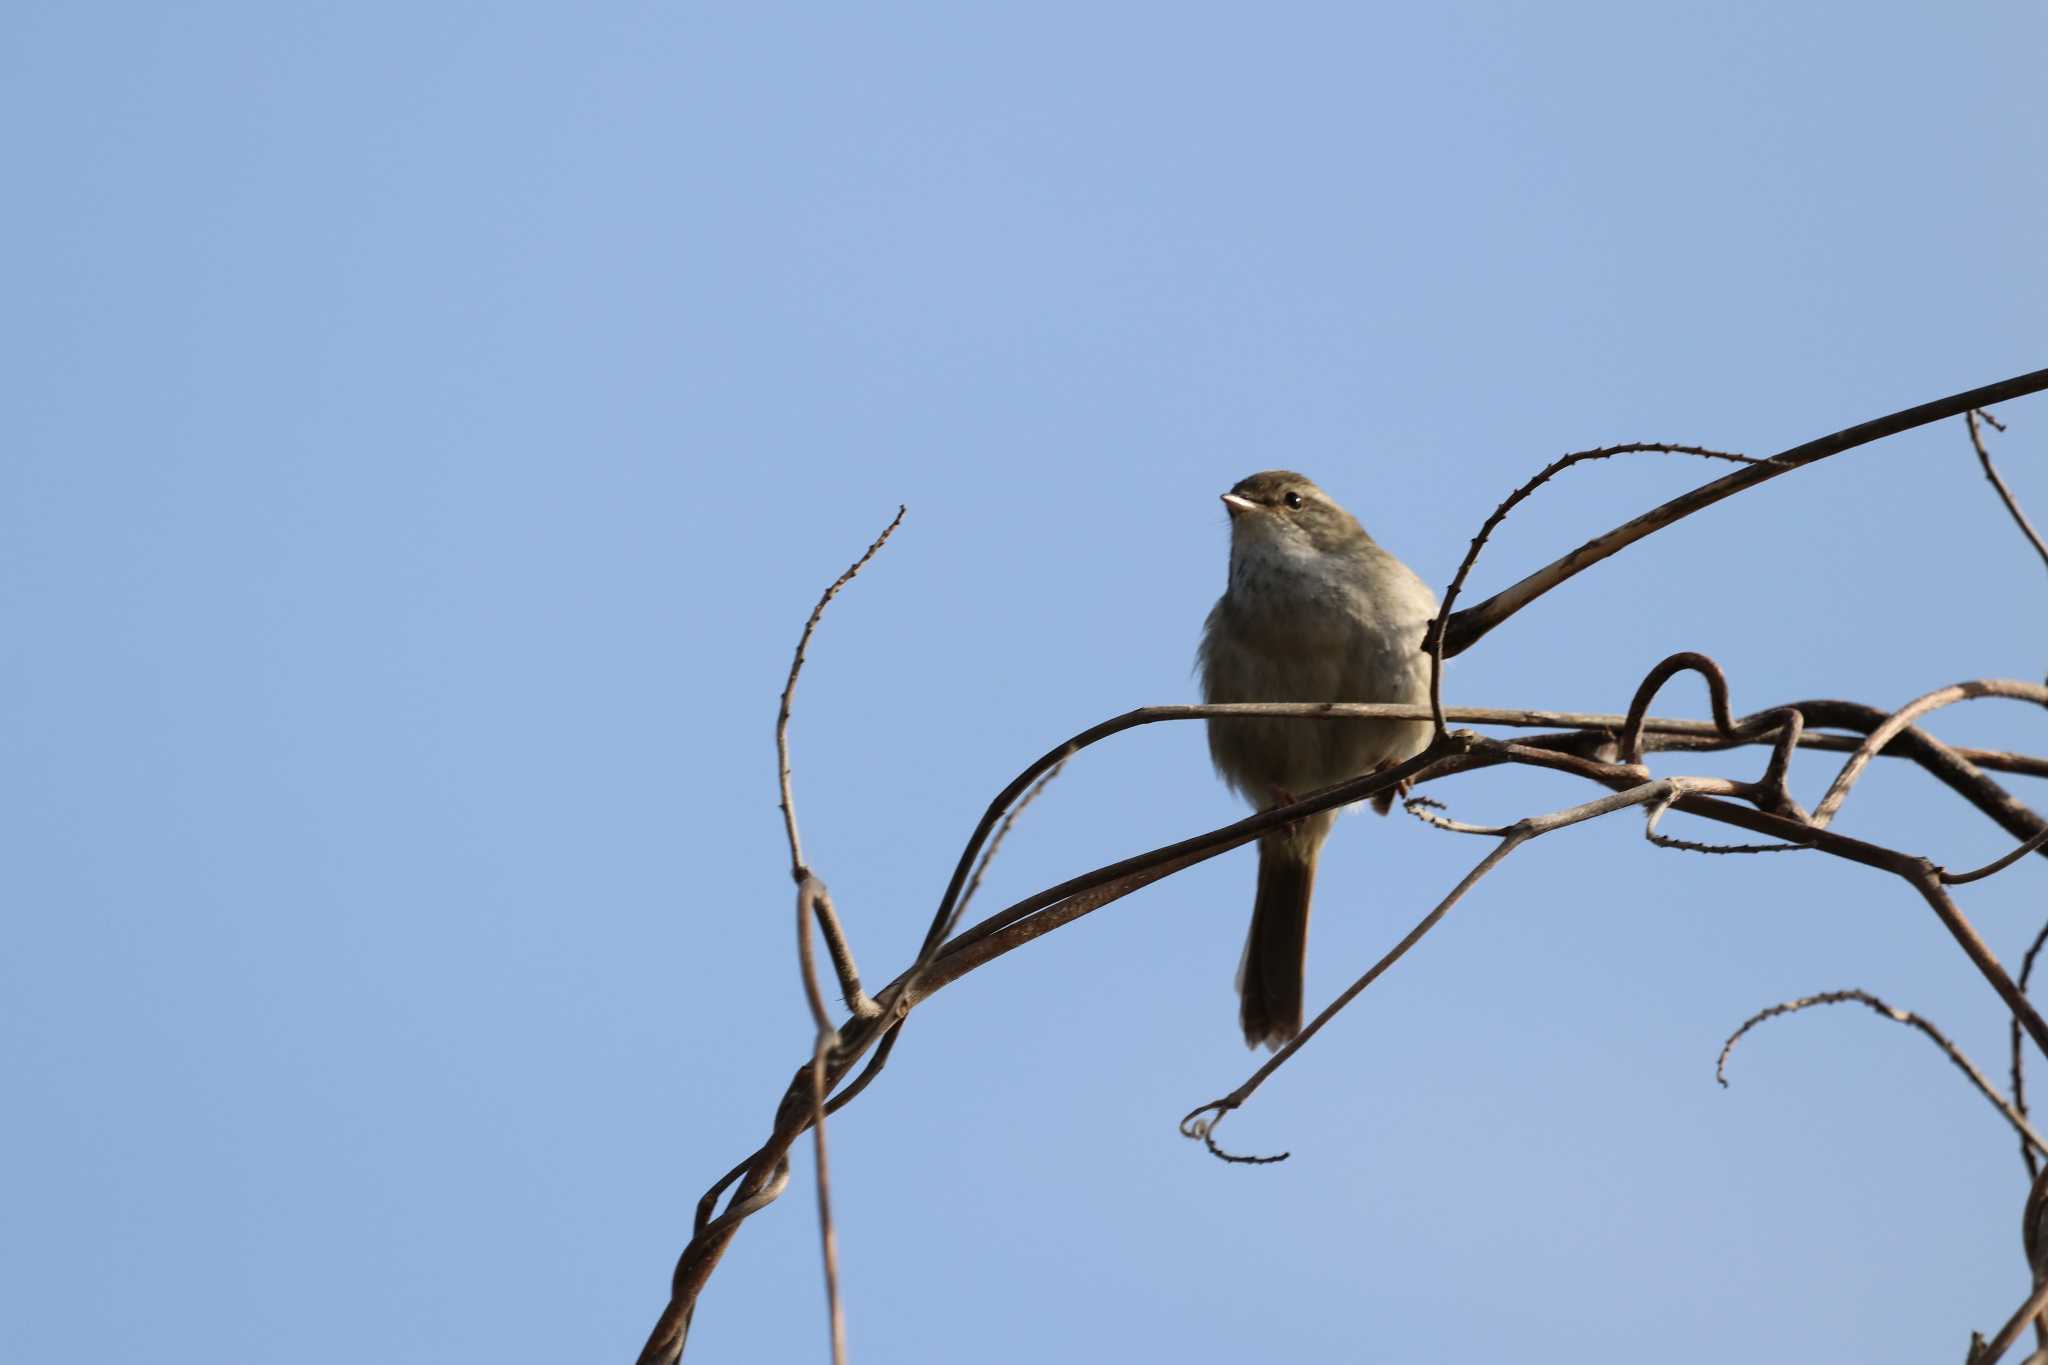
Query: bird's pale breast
[1337, 628]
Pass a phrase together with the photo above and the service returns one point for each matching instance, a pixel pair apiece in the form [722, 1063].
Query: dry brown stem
[2028, 1137]
[1201, 1122]
[1606, 750]
[1437, 641]
[812, 900]
[1838, 791]
[2019, 1073]
[2005, 494]
[1469, 625]
[1989, 1353]
[796, 666]
[995, 844]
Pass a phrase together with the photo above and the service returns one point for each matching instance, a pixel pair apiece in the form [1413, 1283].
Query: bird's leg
[1384, 802]
[1279, 796]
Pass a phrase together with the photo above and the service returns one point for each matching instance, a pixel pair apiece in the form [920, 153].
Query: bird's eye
[1292, 499]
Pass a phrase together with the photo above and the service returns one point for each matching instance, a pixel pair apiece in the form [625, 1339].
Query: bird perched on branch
[1315, 610]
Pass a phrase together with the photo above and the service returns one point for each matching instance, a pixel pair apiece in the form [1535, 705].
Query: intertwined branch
[1606, 750]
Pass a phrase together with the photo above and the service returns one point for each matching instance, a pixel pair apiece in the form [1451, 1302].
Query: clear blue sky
[427, 427]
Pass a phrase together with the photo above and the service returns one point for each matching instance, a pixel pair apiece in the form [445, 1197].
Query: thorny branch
[1593, 747]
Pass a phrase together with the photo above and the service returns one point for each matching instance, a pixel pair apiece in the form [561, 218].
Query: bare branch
[1659, 739]
[858, 1003]
[1201, 1121]
[1920, 873]
[1838, 791]
[1034, 915]
[808, 891]
[2005, 494]
[765, 1172]
[1954, 768]
[2019, 1072]
[1988, 1353]
[828, 1237]
[1474, 622]
[1003, 832]
[796, 666]
[2033, 1226]
[1434, 642]
[1784, 724]
[1690, 846]
[1422, 808]
[828, 919]
[1955, 1054]
[812, 899]
[753, 1201]
[1943, 762]
[1928, 884]
[1996, 864]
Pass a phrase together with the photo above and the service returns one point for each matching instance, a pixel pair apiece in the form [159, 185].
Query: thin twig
[1955, 1054]
[812, 899]
[1998, 864]
[807, 893]
[988, 854]
[1838, 790]
[1423, 808]
[1989, 1352]
[828, 1237]
[2019, 1072]
[1928, 883]
[1691, 846]
[826, 1037]
[2034, 1239]
[796, 666]
[858, 1002]
[1951, 767]
[1471, 624]
[2005, 494]
[1435, 641]
[1201, 1121]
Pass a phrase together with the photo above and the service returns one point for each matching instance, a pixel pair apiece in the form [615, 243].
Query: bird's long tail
[1269, 981]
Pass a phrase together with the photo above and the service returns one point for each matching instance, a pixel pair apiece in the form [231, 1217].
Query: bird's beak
[1233, 504]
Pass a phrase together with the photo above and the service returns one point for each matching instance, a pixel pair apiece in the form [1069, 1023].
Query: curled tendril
[1421, 807]
[1204, 1129]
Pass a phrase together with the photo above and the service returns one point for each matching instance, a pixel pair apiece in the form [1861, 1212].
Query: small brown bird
[1314, 611]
